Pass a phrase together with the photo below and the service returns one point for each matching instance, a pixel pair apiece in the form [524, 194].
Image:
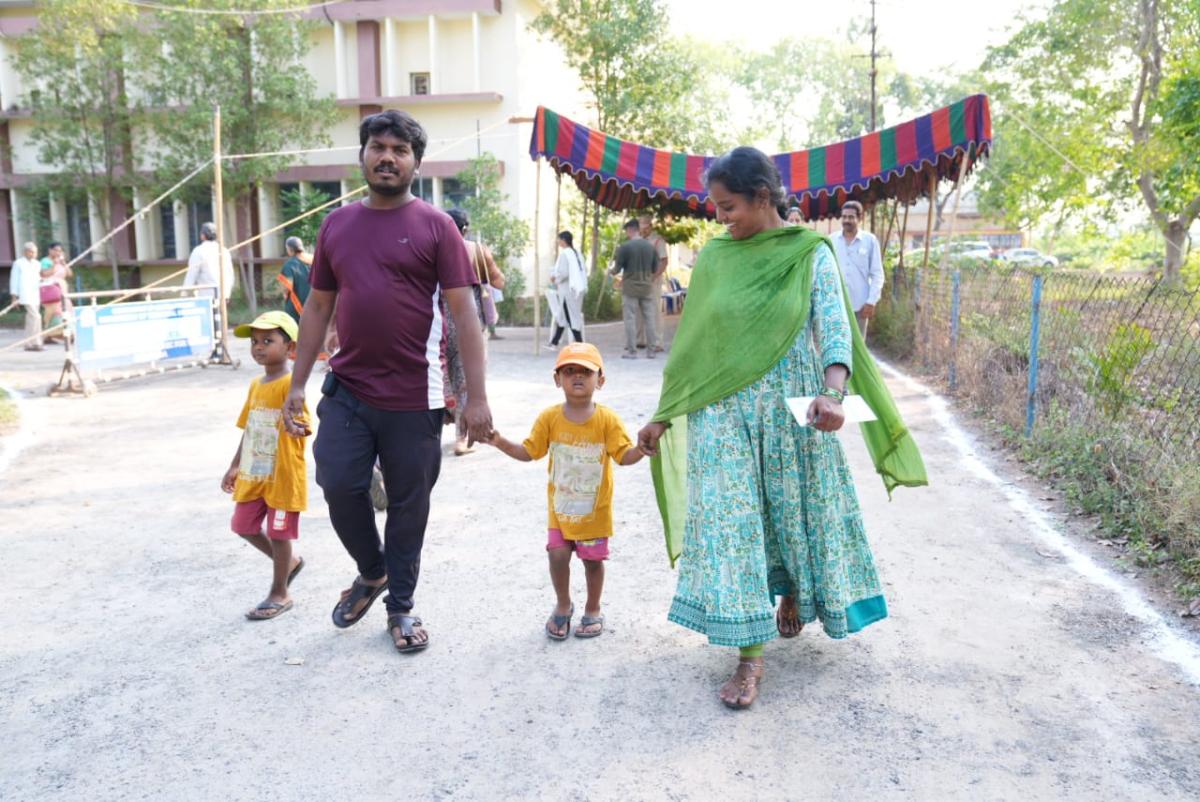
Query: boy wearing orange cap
[583, 439]
[267, 476]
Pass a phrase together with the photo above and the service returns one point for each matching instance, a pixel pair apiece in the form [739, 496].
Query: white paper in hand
[855, 408]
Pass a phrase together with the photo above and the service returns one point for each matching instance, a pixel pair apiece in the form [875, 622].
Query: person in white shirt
[861, 263]
[202, 264]
[569, 279]
[23, 285]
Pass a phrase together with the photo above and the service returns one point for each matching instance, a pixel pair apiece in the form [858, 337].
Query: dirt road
[1008, 670]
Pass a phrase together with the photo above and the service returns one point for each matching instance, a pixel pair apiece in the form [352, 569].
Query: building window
[418, 83]
[79, 227]
[199, 213]
[166, 218]
[453, 193]
[423, 188]
[330, 189]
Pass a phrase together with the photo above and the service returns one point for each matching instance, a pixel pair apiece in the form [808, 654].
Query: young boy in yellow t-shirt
[267, 476]
[583, 439]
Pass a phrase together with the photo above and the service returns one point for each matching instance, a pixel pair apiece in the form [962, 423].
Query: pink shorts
[248, 519]
[584, 549]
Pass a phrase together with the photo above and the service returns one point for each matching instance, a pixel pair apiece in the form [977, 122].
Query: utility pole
[874, 72]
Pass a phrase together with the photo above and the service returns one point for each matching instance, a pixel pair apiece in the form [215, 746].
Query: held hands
[229, 479]
[648, 438]
[295, 422]
[826, 414]
[478, 419]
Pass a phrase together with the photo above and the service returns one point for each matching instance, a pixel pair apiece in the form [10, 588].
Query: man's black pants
[408, 445]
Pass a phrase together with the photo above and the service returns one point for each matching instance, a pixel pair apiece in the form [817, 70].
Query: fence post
[954, 307]
[1034, 333]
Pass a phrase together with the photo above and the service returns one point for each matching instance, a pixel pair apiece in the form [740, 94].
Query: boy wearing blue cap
[267, 476]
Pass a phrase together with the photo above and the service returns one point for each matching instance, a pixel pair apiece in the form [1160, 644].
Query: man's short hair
[208, 231]
[399, 124]
[29, 246]
[854, 206]
[53, 245]
[293, 245]
[632, 224]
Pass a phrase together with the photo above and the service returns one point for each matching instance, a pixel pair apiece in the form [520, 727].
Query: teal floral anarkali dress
[771, 505]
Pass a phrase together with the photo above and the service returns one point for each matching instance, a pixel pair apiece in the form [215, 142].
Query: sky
[923, 36]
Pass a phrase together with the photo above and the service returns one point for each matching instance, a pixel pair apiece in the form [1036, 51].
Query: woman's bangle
[834, 393]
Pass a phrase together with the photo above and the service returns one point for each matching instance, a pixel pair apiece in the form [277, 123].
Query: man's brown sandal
[408, 625]
[343, 612]
[747, 684]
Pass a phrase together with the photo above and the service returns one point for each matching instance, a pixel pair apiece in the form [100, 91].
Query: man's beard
[390, 190]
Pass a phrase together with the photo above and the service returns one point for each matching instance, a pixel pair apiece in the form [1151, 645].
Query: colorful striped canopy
[896, 162]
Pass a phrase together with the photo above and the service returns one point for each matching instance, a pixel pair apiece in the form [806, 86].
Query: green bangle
[834, 393]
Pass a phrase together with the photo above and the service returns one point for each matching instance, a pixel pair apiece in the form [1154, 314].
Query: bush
[509, 310]
[602, 302]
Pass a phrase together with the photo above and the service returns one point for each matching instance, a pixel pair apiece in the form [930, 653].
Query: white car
[1029, 257]
[971, 249]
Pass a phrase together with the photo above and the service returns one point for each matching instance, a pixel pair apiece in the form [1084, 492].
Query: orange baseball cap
[582, 354]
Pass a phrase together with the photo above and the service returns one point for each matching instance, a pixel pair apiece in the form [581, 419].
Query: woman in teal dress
[756, 505]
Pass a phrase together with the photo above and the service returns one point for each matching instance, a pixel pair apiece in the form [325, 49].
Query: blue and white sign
[124, 334]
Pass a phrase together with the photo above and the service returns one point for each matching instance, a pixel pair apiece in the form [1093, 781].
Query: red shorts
[584, 549]
[248, 519]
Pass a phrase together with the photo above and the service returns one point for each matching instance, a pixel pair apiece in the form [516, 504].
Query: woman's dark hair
[399, 124]
[566, 237]
[460, 218]
[746, 171]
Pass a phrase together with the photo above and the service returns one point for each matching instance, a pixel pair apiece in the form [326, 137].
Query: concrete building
[464, 68]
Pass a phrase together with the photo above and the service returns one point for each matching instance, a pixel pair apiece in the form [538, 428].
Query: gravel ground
[128, 672]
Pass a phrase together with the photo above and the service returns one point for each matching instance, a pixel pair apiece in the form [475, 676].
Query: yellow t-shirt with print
[580, 488]
[272, 463]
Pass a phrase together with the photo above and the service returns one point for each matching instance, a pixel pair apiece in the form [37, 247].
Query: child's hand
[493, 439]
[229, 479]
[301, 423]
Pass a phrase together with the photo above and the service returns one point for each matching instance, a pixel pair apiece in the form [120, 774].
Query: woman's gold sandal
[747, 684]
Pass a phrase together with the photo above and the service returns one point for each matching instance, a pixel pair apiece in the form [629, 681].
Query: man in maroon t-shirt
[384, 261]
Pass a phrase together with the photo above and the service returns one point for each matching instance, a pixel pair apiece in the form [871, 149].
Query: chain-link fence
[1114, 358]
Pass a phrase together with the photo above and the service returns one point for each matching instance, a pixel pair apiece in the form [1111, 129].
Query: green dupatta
[747, 302]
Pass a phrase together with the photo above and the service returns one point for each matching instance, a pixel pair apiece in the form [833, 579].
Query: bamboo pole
[891, 223]
[558, 206]
[930, 212]
[537, 264]
[962, 171]
[903, 235]
[219, 220]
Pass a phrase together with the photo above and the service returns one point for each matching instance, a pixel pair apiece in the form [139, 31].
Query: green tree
[505, 234]
[1104, 90]
[74, 66]
[644, 86]
[295, 202]
[252, 67]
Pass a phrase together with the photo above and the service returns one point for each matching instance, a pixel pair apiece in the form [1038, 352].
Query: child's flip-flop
[590, 620]
[299, 567]
[559, 622]
[267, 610]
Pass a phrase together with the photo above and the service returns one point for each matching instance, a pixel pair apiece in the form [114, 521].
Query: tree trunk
[116, 266]
[245, 270]
[1176, 237]
[595, 236]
